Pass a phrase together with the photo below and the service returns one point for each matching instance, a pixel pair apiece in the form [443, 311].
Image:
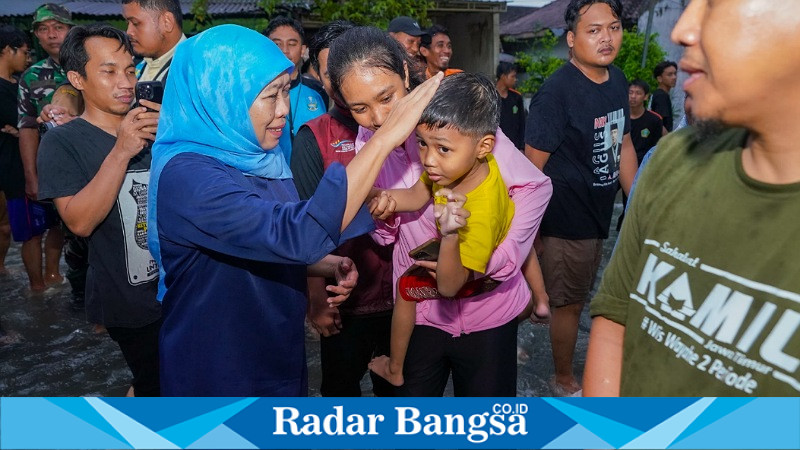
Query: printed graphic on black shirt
[132, 202]
[608, 132]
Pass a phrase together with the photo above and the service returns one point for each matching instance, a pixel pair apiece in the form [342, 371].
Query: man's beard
[707, 129]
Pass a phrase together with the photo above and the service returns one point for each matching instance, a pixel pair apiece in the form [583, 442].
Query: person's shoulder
[652, 116]
[32, 72]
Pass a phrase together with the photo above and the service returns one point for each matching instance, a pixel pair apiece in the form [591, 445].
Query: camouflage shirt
[36, 87]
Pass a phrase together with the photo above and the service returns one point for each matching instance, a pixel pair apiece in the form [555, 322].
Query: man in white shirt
[154, 27]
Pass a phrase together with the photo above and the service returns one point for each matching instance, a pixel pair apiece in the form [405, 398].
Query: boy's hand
[451, 215]
[382, 206]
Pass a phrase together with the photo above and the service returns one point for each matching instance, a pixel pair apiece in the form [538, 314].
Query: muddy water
[58, 354]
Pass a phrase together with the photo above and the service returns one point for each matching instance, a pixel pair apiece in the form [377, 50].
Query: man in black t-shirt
[646, 126]
[512, 109]
[96, 173]
[666, 73]
[578, 134]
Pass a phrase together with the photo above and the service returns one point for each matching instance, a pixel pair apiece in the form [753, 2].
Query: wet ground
[58, 354]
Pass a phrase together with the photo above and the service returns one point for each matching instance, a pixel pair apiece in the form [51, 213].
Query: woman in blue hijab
[233, 241]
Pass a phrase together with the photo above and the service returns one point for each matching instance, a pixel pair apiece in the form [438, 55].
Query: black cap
[406, 25]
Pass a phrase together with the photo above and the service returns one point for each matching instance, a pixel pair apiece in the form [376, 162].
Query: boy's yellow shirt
[491, 213]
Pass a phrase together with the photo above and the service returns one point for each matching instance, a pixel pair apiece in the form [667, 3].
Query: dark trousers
[483, 364]
[344, 356]
[76, 255]
[140, 348]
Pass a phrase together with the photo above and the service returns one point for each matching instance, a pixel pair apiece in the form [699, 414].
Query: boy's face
[290, 43]
[510, 79]
[448, 156]
[636, 96]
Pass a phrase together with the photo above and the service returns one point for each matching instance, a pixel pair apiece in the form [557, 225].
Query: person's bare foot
[35, 289]
[97, 329]
[380, 365]
[53, 279]
[566, 387]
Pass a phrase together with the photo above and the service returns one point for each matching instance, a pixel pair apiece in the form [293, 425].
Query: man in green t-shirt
[702, 295]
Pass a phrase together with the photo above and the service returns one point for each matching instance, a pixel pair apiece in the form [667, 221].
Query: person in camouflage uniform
[36, 87]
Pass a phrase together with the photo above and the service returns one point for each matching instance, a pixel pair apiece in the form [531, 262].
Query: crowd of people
[414, 214]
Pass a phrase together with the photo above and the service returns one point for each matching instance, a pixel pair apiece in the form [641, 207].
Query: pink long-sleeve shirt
[527, 186]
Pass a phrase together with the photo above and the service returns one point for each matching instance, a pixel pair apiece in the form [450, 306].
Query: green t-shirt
[706, 276]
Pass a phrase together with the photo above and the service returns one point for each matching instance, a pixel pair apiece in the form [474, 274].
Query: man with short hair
[578, 133]
[666, 73]
[407, 32]
[702, 295]
[646, 126]
[96, 172]
[437, 50]
[155, 30]
[36, 87]
[353, 333]
[512, 107]
[305, 103]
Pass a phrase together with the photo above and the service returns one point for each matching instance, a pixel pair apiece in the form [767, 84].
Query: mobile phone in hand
[429, 251]
[149, 90]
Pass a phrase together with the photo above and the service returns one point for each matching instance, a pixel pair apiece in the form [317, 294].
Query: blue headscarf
[213, 80]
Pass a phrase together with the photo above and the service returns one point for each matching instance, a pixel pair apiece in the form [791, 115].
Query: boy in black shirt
[646, 126]
[666, 73]
[512, 109]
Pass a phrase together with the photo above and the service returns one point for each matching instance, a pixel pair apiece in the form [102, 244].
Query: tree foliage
[373, 12]
[629, 58]
[202, 19]
[539, 63]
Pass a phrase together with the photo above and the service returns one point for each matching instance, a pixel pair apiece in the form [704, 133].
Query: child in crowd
[456, 135]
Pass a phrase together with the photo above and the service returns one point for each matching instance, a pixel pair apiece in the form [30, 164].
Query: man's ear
[570, 39]
[424, 52]
[167, 21]
[75, 79]
[485, 145]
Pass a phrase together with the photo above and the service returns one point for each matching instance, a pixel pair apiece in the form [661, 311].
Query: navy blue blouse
[235, 250]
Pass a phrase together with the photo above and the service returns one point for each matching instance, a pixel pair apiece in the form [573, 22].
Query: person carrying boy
[461, 176]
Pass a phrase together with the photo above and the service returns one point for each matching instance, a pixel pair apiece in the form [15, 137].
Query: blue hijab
[213, 80]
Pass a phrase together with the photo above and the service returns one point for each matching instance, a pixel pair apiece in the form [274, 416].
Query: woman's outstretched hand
[406, 112]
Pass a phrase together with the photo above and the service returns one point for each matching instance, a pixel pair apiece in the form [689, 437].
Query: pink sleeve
[385, 232]
[531, 190]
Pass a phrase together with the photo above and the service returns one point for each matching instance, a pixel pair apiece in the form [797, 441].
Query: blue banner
[323, 423]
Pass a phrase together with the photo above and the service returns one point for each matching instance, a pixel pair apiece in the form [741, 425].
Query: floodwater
[58, 354]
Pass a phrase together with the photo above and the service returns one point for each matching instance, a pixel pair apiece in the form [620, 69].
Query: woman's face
[370, 94]
[268, 111]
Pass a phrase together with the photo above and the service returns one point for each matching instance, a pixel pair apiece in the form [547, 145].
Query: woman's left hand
[346, 276]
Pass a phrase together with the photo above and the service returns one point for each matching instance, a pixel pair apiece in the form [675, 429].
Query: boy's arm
[411, 199]
[451, 275]
[603, 359]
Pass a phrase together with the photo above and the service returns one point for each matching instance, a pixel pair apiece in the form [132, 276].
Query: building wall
[476, 40]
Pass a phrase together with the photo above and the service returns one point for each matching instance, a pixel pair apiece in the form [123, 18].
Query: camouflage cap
[52, 11]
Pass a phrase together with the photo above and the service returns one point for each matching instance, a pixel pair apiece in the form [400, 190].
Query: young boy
[456, 136]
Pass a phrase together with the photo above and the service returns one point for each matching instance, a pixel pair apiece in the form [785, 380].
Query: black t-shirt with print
[581, 124]
[122, 281]
[645, 132]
